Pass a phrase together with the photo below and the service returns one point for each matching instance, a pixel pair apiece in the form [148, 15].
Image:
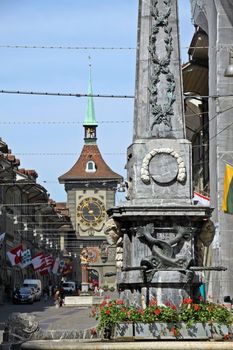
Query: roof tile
[78, 171]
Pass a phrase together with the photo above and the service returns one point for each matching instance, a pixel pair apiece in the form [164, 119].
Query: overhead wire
[62, 122]
[68, 47]
[104, 48]
[65, 94]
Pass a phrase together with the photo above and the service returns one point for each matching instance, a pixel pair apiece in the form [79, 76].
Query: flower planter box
[123, 330]
[198, 331]
[220, 331]
[170, 331]
[157, 330]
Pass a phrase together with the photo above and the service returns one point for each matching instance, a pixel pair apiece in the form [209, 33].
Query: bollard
[5, 336]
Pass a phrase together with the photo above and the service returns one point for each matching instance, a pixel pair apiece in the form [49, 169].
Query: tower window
[90, 167]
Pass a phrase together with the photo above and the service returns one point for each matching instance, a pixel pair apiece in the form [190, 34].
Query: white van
[69, 287]
[36, 284]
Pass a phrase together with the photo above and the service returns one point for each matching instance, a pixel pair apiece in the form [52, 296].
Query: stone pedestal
[84, 287]
[160, 247]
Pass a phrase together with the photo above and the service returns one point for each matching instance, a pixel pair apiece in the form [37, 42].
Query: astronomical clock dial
[91, 211]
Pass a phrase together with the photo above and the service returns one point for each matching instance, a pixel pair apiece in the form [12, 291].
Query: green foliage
[191, 313]
[105, 287]
[112, 312]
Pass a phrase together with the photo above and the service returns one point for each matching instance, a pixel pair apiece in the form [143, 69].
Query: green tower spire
[90, 116]
[90, 123]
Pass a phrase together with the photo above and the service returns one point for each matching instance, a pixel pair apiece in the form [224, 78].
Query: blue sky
[105, 23]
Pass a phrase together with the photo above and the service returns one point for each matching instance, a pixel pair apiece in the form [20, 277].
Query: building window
[90, 167]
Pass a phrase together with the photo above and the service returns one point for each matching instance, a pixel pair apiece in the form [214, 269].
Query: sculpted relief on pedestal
[163, 165]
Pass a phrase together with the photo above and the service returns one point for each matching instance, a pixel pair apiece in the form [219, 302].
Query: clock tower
[91, 186]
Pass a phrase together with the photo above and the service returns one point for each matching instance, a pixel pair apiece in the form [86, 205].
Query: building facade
[215, 18]
[28, 218]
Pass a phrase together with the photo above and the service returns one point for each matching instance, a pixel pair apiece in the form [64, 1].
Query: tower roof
[90, 115]
[78, 171]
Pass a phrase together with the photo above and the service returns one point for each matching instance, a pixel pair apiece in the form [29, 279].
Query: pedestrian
[57, 298]
[62, 297]
[101, 291]
[45, 294]
[96, 290]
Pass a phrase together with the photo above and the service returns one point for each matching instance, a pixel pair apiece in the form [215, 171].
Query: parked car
[69, 287]
[23, 295]
[36, 284]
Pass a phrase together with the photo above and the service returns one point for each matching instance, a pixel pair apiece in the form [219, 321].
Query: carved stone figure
[21, 326]
[84, 256]
[112, 231]
[207, 233]
[164, 252]
[114, 237]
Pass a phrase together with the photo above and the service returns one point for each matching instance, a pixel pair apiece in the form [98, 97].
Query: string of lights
[61, 47]
[58, 154]
[73, 122]
[64, 153]
[64, 94]
[25, 204]
[62, 122]
[67, 94]
[109, 48]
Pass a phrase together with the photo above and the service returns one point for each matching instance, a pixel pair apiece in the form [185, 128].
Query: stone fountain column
[159, 226]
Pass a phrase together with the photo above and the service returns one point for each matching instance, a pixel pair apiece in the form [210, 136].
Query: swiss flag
[14, 255]
[38, 261]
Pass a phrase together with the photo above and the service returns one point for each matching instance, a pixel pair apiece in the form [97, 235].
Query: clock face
[91, 211]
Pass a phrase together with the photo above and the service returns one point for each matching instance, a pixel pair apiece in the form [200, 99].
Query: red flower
[153, 302]
[187, 301]
[107, 312]
[196, 307]
[93, 331]
[167, 303]
[141, 311]
[174, 331]
[157, 312]
[104, 302]
[93, 313]
[173, 307]
[119, 302]
[227, 336]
